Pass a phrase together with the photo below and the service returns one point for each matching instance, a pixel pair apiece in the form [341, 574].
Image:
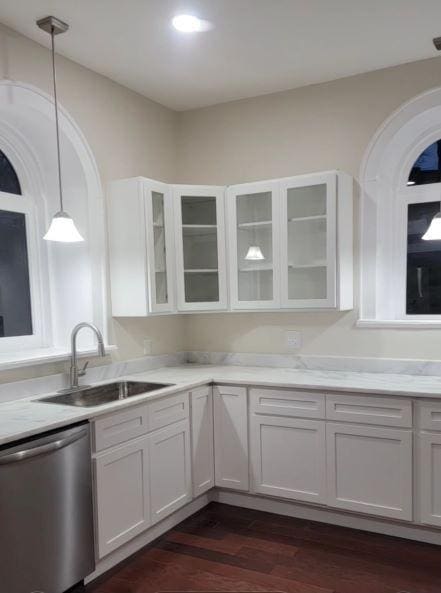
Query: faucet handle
[82, 372]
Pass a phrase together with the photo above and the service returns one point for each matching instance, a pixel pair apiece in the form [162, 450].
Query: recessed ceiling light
[188, 23]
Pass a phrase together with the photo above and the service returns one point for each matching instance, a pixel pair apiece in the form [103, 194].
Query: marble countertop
[26, 417]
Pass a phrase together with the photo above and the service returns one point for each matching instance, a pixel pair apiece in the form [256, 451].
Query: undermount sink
[103, 394]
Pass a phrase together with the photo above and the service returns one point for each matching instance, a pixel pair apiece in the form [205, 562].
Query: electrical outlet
[293, 339]
[148, 346]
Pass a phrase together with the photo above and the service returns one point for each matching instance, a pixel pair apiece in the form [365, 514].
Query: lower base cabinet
[369, 469]
[170, 469]
[139, 483]
[429, 478]
[122, 494]
[288, 458]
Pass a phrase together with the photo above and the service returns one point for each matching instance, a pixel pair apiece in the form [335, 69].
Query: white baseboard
[148, 536]
[341, 518]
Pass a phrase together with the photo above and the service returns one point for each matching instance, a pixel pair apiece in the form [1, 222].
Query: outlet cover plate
[293, 339]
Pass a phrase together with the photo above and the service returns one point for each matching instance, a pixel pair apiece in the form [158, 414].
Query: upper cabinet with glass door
[200, 248]
[290, 243]
[316, 241]
[253, 215]
[141, 247]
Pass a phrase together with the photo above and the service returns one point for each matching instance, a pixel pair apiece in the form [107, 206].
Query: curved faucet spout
[75, 373]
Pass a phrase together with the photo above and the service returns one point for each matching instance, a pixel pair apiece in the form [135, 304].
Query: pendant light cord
[56, 118]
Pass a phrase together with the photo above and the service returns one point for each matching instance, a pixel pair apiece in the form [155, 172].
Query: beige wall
[326, 126]
[315, 128]
[128, 134]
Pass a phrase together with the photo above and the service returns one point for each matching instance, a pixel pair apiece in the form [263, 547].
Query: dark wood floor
[224, 548]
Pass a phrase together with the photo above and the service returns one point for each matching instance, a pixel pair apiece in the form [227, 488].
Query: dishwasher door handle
[42, 449]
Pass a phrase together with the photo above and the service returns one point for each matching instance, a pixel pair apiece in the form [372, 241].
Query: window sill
[398, 324]
[26, 358]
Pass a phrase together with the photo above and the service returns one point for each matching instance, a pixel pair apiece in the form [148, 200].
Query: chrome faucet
[75, 372]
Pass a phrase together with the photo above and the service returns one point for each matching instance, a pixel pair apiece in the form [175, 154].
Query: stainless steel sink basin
[103, 394]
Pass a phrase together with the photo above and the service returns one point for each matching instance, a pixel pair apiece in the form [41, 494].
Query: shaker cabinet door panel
[170, 469]
[122, 494]
[231, 437]
[429, 477]
[202, 440]
[369, 469]
[289, 458]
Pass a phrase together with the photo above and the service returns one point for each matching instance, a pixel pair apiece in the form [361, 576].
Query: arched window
[15, 290]
[9, 182]
[401, 193]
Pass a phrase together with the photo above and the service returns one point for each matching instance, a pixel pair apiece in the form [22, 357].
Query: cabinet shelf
[319, 264]
[202, 271]
[264, 268]
[306, 218]
[252, 225]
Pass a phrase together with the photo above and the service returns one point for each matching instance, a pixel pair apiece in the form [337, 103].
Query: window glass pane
[15, 297]
[423, 287]
[427, 167]
[8, 177]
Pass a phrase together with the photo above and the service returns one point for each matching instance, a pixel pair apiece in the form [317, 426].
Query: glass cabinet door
[253, 243]
[160, 246]
[308, 241]
[201, 256]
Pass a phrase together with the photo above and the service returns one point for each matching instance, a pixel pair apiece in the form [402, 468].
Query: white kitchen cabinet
[231, 437]
[290, 243]
[122, 493]
[289, 457]
[316, 241]
[369, 469]
[202, 439]
[200, 247]
[141, 246]
[170, 469]
[253, 242]
[429, 477]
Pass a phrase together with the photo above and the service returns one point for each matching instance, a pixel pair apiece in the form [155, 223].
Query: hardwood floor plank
[225, 548]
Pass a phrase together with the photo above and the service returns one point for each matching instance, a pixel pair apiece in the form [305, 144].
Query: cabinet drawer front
[280, 402]
[120, 427]
[428, 415]
[167, 410]
[370, 410]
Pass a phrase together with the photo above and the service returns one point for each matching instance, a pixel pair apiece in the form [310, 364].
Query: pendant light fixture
[433, 233]
[254, 253]
[62, 227]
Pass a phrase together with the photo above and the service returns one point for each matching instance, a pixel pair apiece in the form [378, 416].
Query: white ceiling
[256, 46]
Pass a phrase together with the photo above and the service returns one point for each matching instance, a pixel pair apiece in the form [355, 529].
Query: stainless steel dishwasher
[46, 518]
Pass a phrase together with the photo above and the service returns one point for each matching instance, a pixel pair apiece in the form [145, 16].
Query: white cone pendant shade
[254, 253]
[63, 229]
[433, 233]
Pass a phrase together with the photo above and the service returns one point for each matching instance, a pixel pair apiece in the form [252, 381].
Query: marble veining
[319, 362]
[26, 417]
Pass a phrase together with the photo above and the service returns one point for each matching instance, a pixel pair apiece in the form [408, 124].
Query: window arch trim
[383, 176]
